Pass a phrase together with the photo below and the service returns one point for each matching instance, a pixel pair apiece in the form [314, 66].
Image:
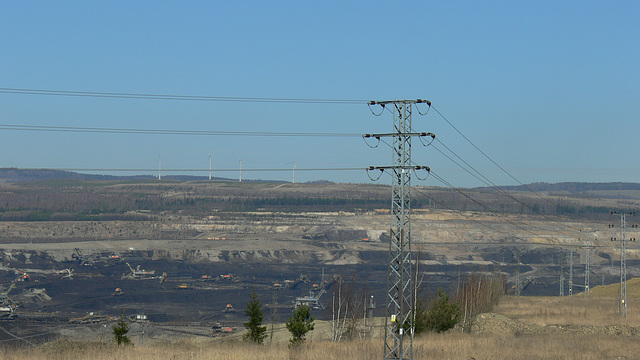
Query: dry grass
[565, 311]
[576, 311]
[432, 346]
[478, 346]
[600, 308]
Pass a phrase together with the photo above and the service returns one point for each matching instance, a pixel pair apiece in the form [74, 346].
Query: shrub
[442, 316]
[299, 324]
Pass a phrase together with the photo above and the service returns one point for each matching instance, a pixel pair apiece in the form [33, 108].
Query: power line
[499, 216]
[148, 96]
[489, 158]
[231, 133]
[522, 242]
[481, 177]
[457, 211]
[192, 170]
[488, 182]
[483, 206]
[79, 129]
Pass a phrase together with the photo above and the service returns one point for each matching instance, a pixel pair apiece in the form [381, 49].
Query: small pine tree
[299, 324]
[255, 331]
[443, 315]
[120, 330]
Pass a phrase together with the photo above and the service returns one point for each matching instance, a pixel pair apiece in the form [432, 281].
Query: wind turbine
[159, 167]
[240, 180]
[209, 167]
[293, 180]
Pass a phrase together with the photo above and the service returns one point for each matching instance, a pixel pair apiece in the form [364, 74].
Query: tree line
[88, 201]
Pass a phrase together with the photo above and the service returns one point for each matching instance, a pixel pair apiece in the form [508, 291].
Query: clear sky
[548, 89]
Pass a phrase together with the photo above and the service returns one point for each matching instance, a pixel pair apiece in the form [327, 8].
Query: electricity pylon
[587, 256]
[518, 286]
[399, 320]
[622, 309]
[561, 279]
[570, 272]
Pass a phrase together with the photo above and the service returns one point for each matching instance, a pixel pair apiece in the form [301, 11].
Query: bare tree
[477, 294]
[348, 310]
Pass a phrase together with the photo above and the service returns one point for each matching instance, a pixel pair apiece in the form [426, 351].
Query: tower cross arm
[378, 136]
[417, 101]
[414, 167]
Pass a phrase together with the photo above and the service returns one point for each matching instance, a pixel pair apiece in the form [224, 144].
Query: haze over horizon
[546, 90]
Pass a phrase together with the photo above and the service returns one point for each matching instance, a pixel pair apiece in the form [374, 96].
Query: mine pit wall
[317, 252]
[354, 260]
[258, 269]
[304, 244]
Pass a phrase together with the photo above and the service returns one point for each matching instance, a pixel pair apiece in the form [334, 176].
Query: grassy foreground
[440, 346]
[529, 328]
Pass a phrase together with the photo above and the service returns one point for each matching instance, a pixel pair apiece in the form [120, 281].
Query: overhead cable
[193, 170]
[489, 158]
[490, 183]
[147, 96]
[167, 132]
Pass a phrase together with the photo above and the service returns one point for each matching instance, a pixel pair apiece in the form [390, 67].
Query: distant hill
[41, 194]
[16, 175]
[572, 187]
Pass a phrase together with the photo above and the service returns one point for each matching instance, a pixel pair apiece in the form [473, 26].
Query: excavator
[137, 273]
[4, 297]
[163, 278]
[67, 273]
[7, 307]
[79, 257]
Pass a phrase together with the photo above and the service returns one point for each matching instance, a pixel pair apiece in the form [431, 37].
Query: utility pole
[622, 309]
[587, 256]
[273, 313]
[587, 253]
[398, 342]
[518, 285]
[141, 319]
[561, 279]
[570, 272]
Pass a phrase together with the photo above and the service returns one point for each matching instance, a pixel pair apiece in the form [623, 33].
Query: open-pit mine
[180, 258]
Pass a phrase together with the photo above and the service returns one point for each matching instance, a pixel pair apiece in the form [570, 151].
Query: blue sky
[549, 90]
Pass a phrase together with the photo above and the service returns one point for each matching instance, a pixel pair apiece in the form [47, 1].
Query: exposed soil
[499, 324]
[259, 251]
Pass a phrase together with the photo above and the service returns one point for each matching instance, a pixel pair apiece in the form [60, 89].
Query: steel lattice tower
[561, 279]
[400, 289]
[570, 272]
[518, 286]
[622, 310]
[623, 268]
[587, 259]
[587, 255]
